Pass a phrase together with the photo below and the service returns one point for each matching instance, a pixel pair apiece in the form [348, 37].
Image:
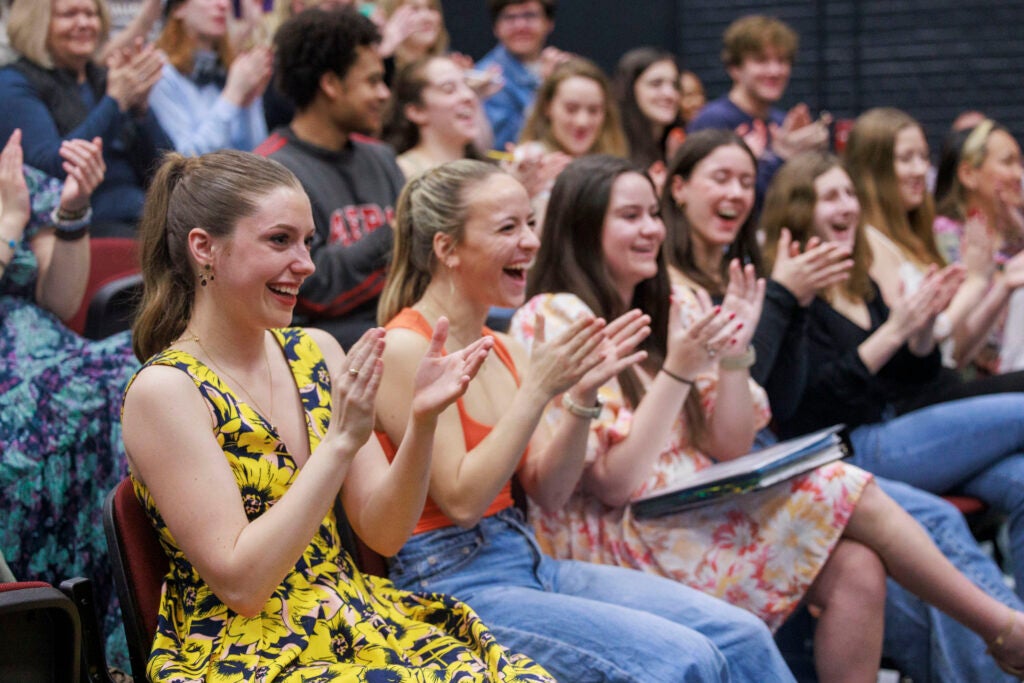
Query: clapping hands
[744, 296]
[85, 168]
[818, 267]
[131, 74]
[442, 378]
[14, 197]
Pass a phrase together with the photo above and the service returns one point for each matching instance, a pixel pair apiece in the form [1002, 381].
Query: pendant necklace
[219, 367]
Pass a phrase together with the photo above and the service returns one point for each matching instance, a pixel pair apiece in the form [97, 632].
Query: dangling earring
[206, 275]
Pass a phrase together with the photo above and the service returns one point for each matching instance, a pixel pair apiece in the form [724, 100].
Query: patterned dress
[326, 621]
[60, 431]
[759, 551]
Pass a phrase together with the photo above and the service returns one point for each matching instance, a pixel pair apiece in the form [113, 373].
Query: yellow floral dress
[759, 551]
[327, 621]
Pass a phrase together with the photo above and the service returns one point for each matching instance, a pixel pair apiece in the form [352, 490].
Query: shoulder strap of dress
[886, 241]
[411, 319]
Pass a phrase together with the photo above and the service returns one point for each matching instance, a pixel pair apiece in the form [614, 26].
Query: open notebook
[750, 472]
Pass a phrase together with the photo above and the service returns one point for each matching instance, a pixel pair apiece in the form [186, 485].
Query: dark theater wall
[932, 58]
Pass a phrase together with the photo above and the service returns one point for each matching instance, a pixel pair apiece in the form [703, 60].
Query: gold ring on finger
[353, 372]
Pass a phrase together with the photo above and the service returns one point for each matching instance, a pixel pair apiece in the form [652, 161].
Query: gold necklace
[269, 414]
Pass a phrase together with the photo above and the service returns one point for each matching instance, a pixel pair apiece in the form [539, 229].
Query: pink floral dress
[759, 551]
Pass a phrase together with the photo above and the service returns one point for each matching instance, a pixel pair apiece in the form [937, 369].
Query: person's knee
[853, 574]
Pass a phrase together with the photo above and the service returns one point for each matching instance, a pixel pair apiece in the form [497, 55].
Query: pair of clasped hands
[132, 72]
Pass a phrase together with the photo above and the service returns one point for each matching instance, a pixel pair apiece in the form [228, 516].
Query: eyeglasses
[75, 13]
[529, 16]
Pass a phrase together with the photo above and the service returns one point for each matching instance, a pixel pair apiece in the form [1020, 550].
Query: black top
[781, 346]
[839, 386]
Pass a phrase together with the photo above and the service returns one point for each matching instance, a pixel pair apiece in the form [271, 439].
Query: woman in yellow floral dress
[827, 537]
[240, 436]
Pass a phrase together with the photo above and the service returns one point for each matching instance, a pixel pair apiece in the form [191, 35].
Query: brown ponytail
[213, 191]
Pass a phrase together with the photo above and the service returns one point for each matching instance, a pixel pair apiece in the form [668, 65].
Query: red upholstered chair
[40, 634]
[139, 566]
[110, 259]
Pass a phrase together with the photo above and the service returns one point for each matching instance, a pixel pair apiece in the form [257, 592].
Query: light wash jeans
[587, 622]
[974, 446]
[924, 643]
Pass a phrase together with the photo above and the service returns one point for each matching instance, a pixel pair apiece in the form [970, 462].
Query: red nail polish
[732, 342]
[731, 316]
[739, 327]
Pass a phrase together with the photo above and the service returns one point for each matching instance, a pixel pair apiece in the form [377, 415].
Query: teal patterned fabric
[60, 431]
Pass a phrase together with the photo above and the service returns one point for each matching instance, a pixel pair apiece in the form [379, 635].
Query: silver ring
[711, 351]
[353, 372]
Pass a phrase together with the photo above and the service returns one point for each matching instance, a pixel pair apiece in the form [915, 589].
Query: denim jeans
[924, 643]
[974, 446]
[587, 622]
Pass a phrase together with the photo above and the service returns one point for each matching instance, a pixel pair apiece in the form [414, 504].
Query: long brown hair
[430, 203]
[610, 140]
[678, 241]
[871, 161]
[213, 191]
[789, 203]
[571, 259]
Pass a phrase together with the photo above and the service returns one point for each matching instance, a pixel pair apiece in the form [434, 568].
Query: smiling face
[910, 152]
[449, 108]
[836, 208]
[74, 33]
[718, 197]
[523, 29]
[998, 178]
[205, 20]
[761, 79]
[692, 98]
[261, 264]
[359, 98]
[498, 243]
[632, 233]
[657, 92]
[576, 113]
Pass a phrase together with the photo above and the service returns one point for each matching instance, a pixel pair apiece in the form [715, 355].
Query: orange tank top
[473, 431]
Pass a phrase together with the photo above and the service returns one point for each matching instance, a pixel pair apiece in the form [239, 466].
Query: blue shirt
[199, 120]
[507, 108]
[130, 143]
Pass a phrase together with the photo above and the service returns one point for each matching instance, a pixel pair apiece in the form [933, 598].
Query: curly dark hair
[314, 42]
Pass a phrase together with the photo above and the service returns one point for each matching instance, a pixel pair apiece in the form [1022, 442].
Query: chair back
[112, 308]
[40, 634]
[139, 567]
[110, 258]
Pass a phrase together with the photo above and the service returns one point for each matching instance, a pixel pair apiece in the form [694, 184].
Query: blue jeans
[974, 446]
[924, 643]
[587, 622]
